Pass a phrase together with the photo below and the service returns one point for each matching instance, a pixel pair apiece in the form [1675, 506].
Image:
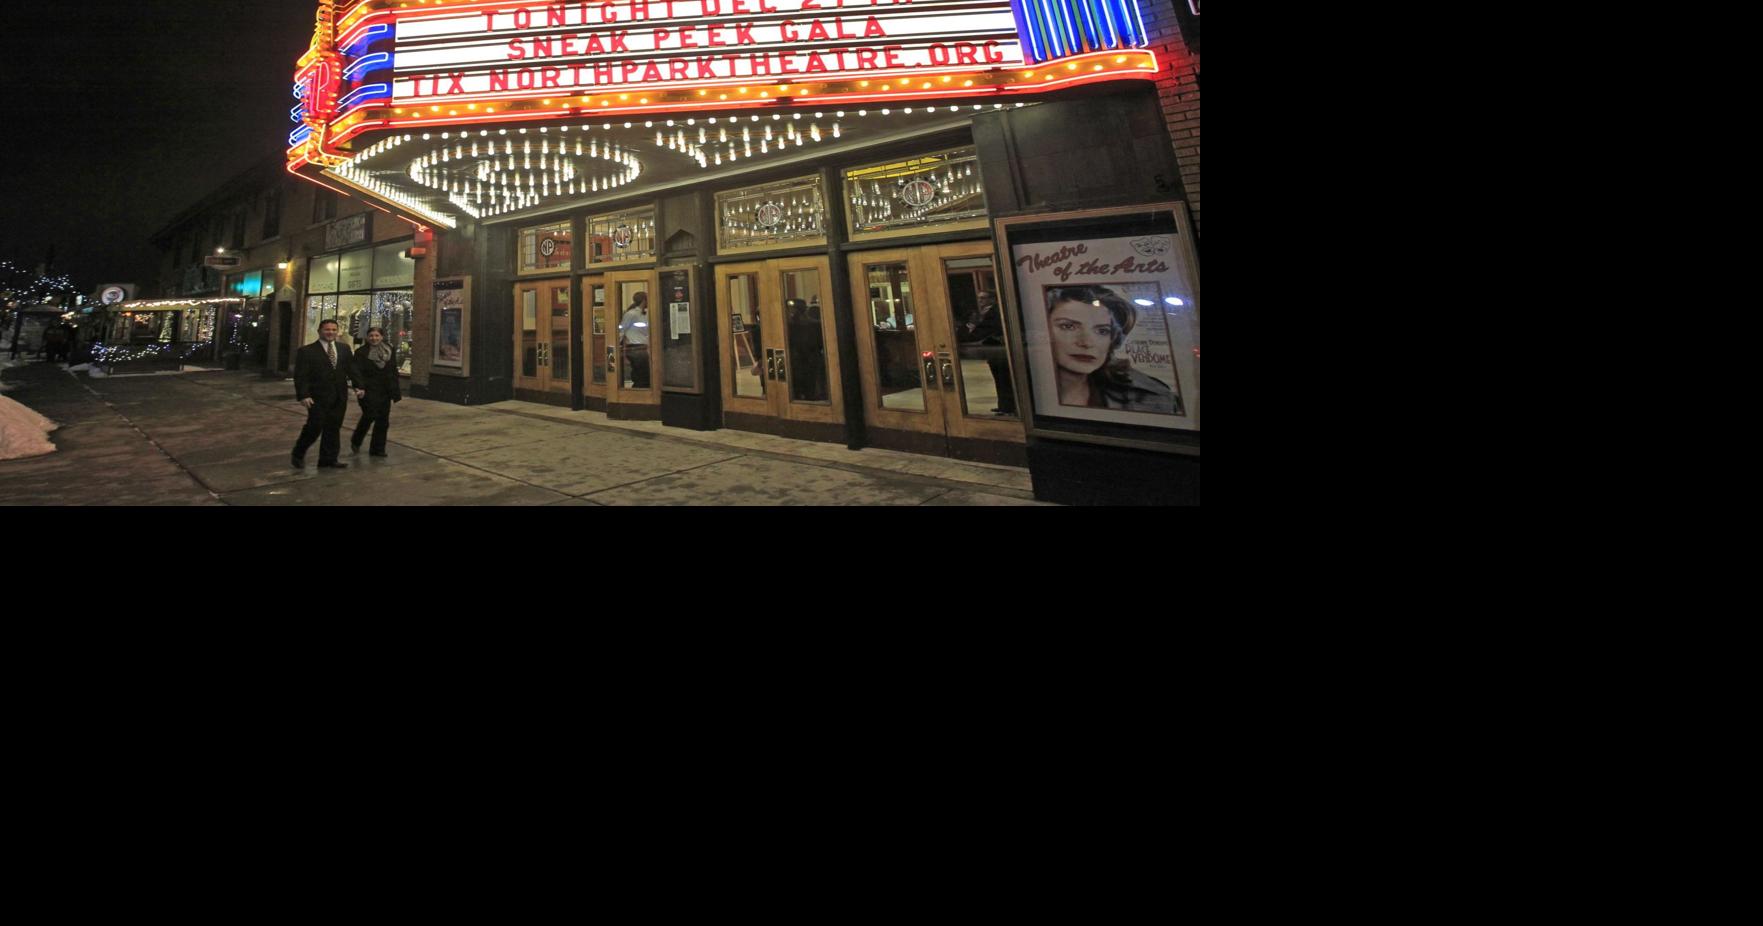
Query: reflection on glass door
[806, 356]
[987, 390]
[746, 370]
[597, 326]
[630, 347]
[933, 354]
[777, 340]
[899, 377]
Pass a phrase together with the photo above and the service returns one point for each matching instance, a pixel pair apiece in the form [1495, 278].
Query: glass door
[630, 350]
[931, 342]
[596, 324]
[775, 331]
[541, 336]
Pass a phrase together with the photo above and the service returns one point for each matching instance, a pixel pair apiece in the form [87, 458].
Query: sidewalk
[223, 437]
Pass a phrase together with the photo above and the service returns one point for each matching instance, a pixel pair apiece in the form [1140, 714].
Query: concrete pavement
[223, 437]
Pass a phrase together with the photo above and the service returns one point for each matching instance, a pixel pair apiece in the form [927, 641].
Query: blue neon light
[1052, 29]
[367, 63]
[1144, 38]
[1032, 49]
[368, 37]
[1087, 17]
[297, 114]
[1049, 35]
[299, 135]
[364, 94]
[1062, 13]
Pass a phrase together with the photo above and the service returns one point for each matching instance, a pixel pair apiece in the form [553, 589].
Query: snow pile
[23, 432]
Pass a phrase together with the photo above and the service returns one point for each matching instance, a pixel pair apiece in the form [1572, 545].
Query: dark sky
[119, 115]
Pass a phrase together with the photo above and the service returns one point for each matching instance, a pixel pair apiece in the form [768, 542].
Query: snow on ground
[23, 432]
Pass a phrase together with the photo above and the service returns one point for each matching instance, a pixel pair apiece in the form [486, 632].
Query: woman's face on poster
[1081, 335]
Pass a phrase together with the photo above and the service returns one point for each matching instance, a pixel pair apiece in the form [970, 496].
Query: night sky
[118, 116]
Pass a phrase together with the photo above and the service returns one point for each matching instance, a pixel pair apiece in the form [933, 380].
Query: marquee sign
[398, 64]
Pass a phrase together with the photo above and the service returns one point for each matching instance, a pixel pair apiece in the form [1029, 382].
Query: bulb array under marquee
[487, 172]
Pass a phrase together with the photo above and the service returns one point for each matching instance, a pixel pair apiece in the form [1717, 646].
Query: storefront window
[352, 315]
[391, 268]
[322, 278]
[245, 329]
[391, 313]
[545, 247]
[318, 308]
[922, 193]
[622, 237]
[381, 277]
[786, 213]
[356, 271]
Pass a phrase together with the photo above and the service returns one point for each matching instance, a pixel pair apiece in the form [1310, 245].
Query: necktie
[330, 351]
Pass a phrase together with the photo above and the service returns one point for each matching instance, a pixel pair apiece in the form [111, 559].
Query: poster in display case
[1107, 304]
[452, 321]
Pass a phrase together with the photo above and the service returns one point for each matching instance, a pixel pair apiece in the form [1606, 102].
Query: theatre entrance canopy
[434, 110]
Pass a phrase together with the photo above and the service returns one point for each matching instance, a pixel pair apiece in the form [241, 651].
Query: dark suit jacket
[381, 383]
[314, 379]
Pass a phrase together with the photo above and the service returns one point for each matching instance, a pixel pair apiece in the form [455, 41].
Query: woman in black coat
[376, 371]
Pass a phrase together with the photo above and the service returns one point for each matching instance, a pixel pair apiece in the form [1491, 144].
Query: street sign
[213, 260]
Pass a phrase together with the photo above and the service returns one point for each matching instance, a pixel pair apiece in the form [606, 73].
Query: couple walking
[324, 374]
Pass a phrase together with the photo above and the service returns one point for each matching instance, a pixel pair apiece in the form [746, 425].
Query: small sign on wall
[345, 232]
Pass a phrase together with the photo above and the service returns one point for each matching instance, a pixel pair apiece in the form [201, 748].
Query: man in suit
[321, 383]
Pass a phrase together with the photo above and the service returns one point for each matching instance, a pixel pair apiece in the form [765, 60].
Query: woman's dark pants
[377, 414]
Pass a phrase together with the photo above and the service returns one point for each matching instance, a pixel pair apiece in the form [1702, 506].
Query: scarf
[380, 353]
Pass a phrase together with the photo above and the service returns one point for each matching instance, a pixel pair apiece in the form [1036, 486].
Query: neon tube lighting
[363, 93]
[362, 64]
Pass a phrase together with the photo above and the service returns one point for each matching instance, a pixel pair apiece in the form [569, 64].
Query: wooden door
[599, 328]
[924, 369]
[779, 345]
[633, 343]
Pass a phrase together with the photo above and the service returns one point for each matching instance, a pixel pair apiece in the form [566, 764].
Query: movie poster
[451, 296]
[1112, 330]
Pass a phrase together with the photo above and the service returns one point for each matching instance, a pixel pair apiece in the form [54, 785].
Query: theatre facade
[954, 227]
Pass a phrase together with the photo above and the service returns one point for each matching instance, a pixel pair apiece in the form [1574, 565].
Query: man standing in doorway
[633, 334]
[321, 383]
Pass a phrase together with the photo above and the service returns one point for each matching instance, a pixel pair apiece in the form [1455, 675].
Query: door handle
[948, 372]
[770, 363]
[780, 366]
[930, 369]
[542, 352]
[611, 358]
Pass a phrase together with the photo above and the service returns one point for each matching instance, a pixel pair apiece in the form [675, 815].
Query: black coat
[314, 379]
[381, 384]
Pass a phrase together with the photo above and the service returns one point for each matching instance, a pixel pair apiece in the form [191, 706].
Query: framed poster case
[452, 306]
[1106, 306]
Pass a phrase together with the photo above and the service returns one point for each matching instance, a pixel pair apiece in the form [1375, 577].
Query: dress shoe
[298, 461]
[333, 466]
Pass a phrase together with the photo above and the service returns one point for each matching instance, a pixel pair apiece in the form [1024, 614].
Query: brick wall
[1178, 89]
